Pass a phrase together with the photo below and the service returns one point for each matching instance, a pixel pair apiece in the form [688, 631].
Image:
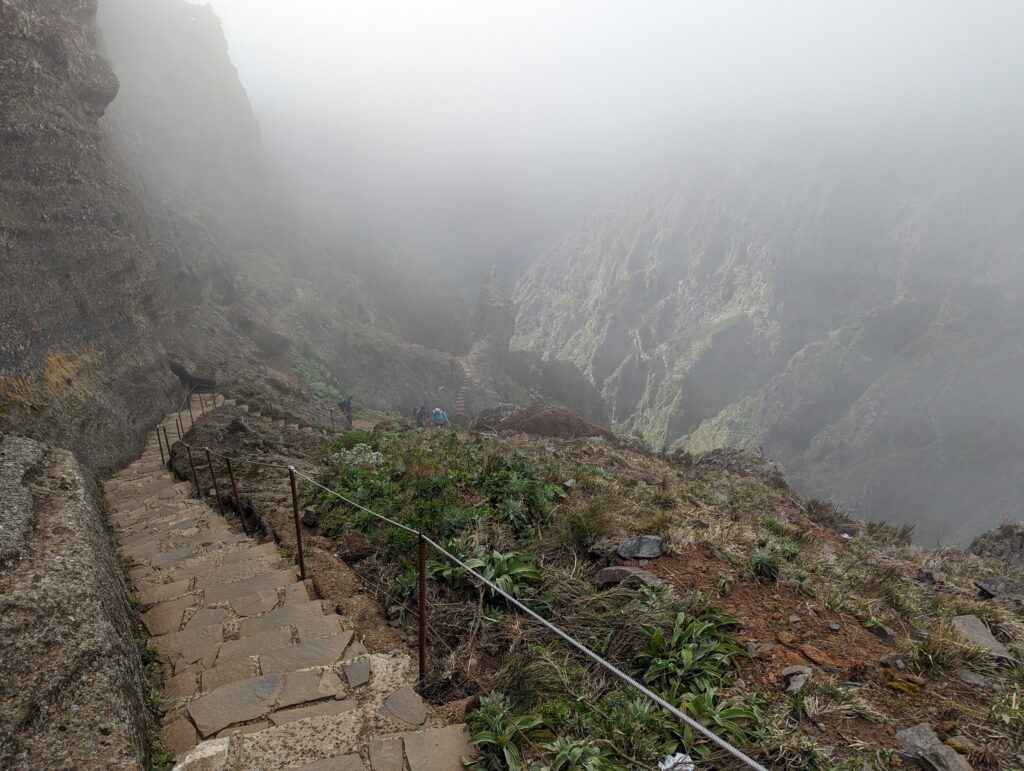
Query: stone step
[235, 694]
[334, 739]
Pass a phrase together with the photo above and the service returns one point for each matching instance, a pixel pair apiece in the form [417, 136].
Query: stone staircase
[258, 673]
[462, 395]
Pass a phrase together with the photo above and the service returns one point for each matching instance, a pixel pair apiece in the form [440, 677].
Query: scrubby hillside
[851, 307]
[809, 639]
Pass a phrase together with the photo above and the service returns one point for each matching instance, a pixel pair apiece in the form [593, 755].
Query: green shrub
[765, 565]
[498, 733]
[568, 754]
[515, 573]
[350, 439]
[698, 655]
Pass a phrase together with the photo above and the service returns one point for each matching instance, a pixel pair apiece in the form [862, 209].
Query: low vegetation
[797, 577]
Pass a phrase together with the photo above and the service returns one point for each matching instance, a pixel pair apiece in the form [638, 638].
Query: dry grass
[37, 387]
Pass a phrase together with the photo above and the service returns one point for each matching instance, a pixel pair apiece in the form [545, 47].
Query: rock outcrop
[74, 689]
[850, 309]
[81, 296]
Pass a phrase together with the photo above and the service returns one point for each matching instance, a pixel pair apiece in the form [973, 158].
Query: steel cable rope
[734, 751]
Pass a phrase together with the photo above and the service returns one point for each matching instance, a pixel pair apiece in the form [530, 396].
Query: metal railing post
[177, 426]
[202, 405]
[195, 476]
[234, 487]
[216, 487]
[159, 441]
[167, 441]
[188, 401]
[422, 548]
[298, 524]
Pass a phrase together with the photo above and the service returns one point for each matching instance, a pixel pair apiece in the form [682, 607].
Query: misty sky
[473, 132]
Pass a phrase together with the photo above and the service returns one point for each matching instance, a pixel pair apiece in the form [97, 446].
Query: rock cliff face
[74, 690]
[80, 300]
[849, 309]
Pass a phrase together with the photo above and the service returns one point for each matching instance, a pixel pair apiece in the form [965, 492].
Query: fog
[473, 133]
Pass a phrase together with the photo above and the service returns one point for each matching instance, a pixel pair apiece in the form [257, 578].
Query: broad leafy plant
[697, 656]
[498, 734]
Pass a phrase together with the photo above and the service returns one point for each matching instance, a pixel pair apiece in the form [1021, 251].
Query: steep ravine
[849, 308]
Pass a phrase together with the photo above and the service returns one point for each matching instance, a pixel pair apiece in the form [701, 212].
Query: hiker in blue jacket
[440, 418]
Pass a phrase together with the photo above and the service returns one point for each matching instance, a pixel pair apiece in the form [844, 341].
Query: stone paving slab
[192, 644]
[234, 703]
[315, 628]
[232, 591]
[287, 615]
[148, 592]
[439, 749]
[309, 685]
[322, 652]
[243, 668]
[386, 755]
[344, 763]
[254, 604]
[165, 617]
[405, 705]
[314, 710]
[256, 644]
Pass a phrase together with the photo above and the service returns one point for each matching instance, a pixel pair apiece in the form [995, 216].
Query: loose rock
[976, 633]
[641, 547]
[621, 574]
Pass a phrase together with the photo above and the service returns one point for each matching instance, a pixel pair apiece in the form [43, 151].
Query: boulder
[310, 517]
[939, 757]
[618, 574]
[646, 547]
[918, 738]
[976, 633]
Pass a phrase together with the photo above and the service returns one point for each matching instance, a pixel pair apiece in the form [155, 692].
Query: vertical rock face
[850, 309]
[80, 295]
[220, 220]
[74, 690]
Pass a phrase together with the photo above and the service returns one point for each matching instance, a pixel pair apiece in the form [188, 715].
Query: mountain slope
[849, 308]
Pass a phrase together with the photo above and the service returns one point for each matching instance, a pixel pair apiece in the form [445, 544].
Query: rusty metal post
[167, 441]
[159, 441]
[234, 487]
[202, 404]
[213, 476]
[298, 524]
[423, 607]
[195, 476]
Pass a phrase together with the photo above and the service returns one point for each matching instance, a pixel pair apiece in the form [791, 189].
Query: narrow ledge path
[258, 672]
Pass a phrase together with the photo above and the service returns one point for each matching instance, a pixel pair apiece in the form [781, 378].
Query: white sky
[395, 111]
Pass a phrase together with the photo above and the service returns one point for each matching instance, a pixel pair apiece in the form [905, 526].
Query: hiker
[345, 405]
[440, 418]
[420, 413]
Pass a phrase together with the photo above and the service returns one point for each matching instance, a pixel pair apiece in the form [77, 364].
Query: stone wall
[73, 685]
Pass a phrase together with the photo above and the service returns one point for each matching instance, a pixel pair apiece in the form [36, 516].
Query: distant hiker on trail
[440, 418]
[420, 413]
[345, 405]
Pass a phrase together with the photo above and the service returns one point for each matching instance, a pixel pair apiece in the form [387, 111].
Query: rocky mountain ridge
[847, 308]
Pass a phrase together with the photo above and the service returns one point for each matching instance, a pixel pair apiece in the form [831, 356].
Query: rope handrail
[563, 635]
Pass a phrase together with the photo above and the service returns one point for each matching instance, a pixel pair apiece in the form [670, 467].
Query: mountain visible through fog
[768, 226]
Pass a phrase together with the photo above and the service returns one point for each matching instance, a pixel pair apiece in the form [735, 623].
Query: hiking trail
[258, 672]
